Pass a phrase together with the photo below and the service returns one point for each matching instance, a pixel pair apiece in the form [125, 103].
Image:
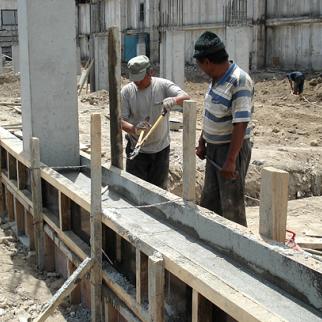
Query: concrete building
[258, 33]
[8, 25]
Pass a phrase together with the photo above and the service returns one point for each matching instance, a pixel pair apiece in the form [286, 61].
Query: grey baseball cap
[137, 67]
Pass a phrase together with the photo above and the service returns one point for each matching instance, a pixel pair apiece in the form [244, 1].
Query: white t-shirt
[137, 105]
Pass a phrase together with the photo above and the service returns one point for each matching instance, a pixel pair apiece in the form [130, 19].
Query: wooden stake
[201, 308]
[114, 76]
[141, 277]
[156, 288]
[96, 218]
[189, 155]
[273, 204]
[66, 289]
[37, 201]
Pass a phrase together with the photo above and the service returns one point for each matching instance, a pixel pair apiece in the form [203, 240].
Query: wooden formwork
[135, 271]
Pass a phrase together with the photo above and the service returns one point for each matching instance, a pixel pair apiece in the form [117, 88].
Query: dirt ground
[287, 133]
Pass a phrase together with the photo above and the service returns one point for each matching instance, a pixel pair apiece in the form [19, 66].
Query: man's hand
[169, 102]
[142, 126]
[201, 150]
[228, 170]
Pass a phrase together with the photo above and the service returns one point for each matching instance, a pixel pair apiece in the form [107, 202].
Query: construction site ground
[287, 134]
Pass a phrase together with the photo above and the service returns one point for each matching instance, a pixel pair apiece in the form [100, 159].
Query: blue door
[130, 43]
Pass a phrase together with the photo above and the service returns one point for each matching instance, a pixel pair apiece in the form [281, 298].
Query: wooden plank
[114, 76]
[19, 217]
[65, 217]
[66, 289]
[75, 295]
[29, 229]
[118, 250]
[10, 206]
[111, 314]
[141, 277]
[189, 155]
[22, 176]
[202, 309]
[12, 169]
[156, 287]
[273, 204]
[96, 218]
[37, 201]
[49, 254]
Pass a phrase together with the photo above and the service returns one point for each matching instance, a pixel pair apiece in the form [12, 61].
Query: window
[9, 18]
[142, 12]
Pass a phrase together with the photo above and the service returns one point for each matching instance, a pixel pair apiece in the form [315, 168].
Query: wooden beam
[37, 201]
[156, 287]
[114, 76]
[189, 155]
[65, 217]
[141, 277]
[96, 218]
[66, 289]
[273, 204]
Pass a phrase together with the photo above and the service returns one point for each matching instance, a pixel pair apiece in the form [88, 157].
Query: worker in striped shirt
[225, 139]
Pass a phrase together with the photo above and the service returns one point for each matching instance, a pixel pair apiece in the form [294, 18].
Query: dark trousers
[299, 85]
[226, 197]
[151, 167]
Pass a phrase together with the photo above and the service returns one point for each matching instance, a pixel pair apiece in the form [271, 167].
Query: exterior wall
[8, 34]
[295, 47]
[293, 8]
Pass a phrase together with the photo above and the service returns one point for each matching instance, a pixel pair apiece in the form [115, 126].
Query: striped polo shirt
[228, 101]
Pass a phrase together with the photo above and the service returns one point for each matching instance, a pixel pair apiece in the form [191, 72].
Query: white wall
[8, 4]
[295, 46]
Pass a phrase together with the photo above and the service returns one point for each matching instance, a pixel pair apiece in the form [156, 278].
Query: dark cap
[207, 44]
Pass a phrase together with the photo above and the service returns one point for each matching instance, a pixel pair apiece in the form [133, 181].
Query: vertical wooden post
[22, 176]
[111, 315]
[19, 217]
[273, 204]
[114, 76]
[2, 193]
[141, 277]
[10, 206]
[96, 218]
[118, 248]
[37, 201]
[65, 216]
[189, 155]
[49, 254]
[29, 230]
[156, 287]
[202, 309]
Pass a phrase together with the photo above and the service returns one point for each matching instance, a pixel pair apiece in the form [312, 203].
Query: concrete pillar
[15, 58]
[101, 61]
[48, 79]
[78, 60]
[154, 22]
[1, 62]
[172, 58]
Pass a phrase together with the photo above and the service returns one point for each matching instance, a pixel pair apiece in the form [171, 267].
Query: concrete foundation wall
[295, 47]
